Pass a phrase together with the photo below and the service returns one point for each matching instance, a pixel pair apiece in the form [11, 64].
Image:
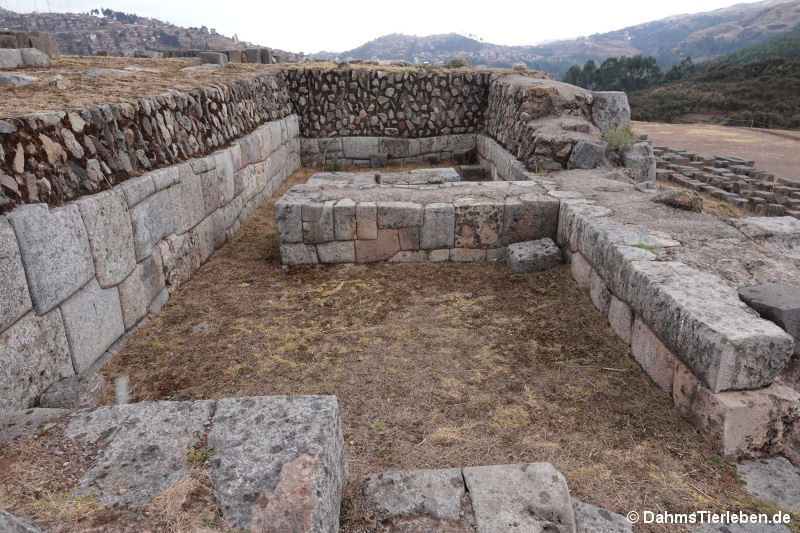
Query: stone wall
[363, 151]
[387, 103]
[55, 156]
[77, 281]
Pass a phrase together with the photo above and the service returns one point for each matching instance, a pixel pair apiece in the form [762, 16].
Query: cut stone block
[137, 189]
[318, 222]
[438, 226]
[520, 498]
[640, 158]
[93, 321]
[467, 255]
[151, 221]
[738, 423]
[26, 424]
[656, 360]
[382, 248]
[34, 353]
[620, 318]
[298, 254]
[774, 480]
[472, 172]
[289, 221]
[587, 154]
[599, 294]
[393, 215]
[15, 300]
[188, 207]
[533, 256]
[778, 303]
[427, 499]
[359, 147]
[529, 217]
[145, 448]
[10, 58]
[592, 519]
[610, 108]
[367, 220]
[108, 225]
[55, 250]
[215, 58]
[581, 270]
[74, 392]
[336, 252]
[702, 321]
[31, 57]
[409, 238]
[344, 220]
[279, 462]
[478, 223]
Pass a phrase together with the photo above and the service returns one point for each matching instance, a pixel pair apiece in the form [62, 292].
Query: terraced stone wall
[77, 281]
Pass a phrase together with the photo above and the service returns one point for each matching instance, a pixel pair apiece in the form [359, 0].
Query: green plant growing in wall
[619, 138]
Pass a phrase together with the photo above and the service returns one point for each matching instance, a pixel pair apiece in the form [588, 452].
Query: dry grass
[177, 507]
[434, 365]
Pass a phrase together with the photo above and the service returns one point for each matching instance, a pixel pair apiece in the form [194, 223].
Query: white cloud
[314, 25]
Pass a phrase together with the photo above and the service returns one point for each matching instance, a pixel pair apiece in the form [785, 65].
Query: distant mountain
[701, 36]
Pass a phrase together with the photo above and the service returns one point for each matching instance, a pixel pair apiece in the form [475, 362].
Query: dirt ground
[434, 365]
[774, 151]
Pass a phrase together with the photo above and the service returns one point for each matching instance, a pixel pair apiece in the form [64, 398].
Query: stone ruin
[694, 295]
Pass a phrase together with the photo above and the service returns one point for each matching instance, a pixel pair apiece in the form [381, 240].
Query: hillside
[701, 36]
[761, 93]
[116, 33]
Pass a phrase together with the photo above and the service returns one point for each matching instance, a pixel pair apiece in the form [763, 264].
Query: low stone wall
[77, 281]
[454, 221]
[362, 151]
[55, 156]
[502, 166]
[391, 103]
[689, 332]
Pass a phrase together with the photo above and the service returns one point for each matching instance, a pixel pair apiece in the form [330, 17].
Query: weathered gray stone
[702, 321]
[478, 223]
[93, 321]
[359, 147]
[382, 248]
[289, 220]
[108, 225]
[581, 270]
[523, 497]
[151, 220]
[55, 251]
[337, 252]
[26, 424]
[592, 519]
[778, 303]
[640, 158]
[74, 392]
[533, 256]
[10, 58]
[318, 222]
[620, 318]
[214, 58]
[279, 462]
[587, 154]
[12, 524]
[777, 233]
[35, 353]
[438, 226]
[655, 358]
[14, 79]
[188, 207]
[31, 57]
[145, 448]
[298, 254]
[167, 176]
[774, 480]
[181, 256]
[599, 294]
[344, 220]
[610, 108]
[529, 217]
[137, 189]
[367, 220]
[15, 300]
[399, 215]
[434, 493]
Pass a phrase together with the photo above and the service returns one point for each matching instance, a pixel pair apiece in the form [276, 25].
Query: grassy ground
[434, 365]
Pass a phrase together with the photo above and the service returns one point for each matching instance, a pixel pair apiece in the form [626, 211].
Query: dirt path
[774, 151]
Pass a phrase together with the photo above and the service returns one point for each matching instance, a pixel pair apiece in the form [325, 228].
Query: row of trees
[626, 73]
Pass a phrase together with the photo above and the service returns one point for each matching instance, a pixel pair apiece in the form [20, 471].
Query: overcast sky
[314, 25]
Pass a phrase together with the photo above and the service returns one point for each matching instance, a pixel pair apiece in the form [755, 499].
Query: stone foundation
[80, 279]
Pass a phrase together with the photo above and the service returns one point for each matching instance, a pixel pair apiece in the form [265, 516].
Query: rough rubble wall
[77, 281]
[386, 103]
[55, 156]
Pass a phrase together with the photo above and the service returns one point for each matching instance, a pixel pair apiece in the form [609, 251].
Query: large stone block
[738, 423]
[10, 58]
[15, 300]
[599, 294]
[298, 254]
[74, 392]
[151, 220]
[382, 248]
[581, 270]
[655, 358]
[778, 303]
[438, 226]
[336, 252]
[289, 220]
[367, 220]
[181, 256]
[143, 448]
[32, 57]
[478, 223]
[593, 519]
[640, 158]
[188, 207]
[137, 189]
[214, 58]
[11, 524]
[93, 321]
[702, 321]
[318, 222]
[279, 462]
[108, 225]
[521, 498]
[344, 220]
[33, 354]
[359, 147]
[399, 215]
[533, 256]
[610, 108]
[55, 250]
[620, 318]
[587, 154]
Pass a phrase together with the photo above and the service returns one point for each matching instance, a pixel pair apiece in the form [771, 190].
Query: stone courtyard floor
[434, 365]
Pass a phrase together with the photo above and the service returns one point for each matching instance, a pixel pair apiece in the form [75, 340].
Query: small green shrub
[619, 138]
[335, 165]
[199, 456]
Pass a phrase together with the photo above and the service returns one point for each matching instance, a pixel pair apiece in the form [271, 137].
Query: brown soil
[774, 151]
[434, 365]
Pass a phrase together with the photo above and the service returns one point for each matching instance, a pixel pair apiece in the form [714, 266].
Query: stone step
[472, 172]
[533, 256]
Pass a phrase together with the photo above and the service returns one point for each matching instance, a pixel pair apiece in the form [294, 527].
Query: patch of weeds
[64, 506]
[716, 461]
[483, 404]
[245, 370]
[512, 417]
[619, 138]
[376, 425]
[199, 455]
[336, 166]
[619, 423]
[643, 246]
